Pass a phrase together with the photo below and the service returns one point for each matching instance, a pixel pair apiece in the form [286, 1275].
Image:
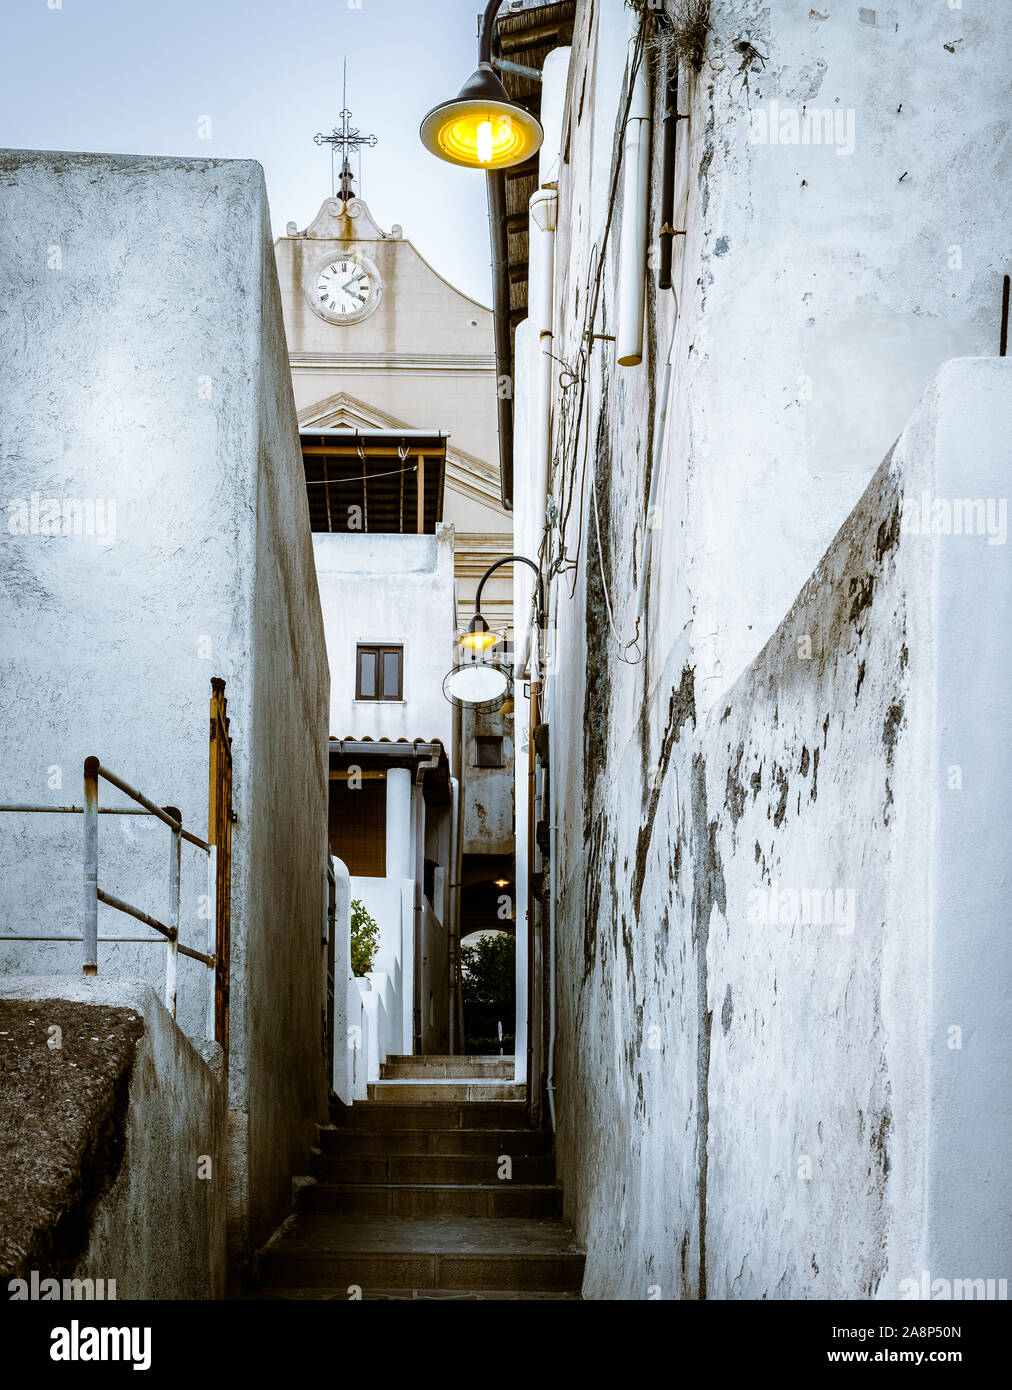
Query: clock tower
[380, 343]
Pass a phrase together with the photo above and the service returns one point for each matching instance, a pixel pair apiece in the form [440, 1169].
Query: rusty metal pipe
[90, 929]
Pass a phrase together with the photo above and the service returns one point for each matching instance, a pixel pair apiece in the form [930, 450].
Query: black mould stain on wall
[681, 707]
[708, 891]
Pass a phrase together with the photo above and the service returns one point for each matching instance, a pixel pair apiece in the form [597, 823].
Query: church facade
[394, 379]
[399, 351]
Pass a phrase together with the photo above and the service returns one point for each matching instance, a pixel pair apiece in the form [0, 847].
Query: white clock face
[345, 290]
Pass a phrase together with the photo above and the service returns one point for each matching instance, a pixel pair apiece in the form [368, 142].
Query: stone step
[372, 1114]
[358, 1143]
[440, 1092]
[425, 1059]
[320, 1250]
[453, 1169]
[448, 1068]
[503, 1199]
[327, 1293]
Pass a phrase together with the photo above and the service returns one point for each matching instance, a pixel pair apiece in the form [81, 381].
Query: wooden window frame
[379, 650]
[488, 738]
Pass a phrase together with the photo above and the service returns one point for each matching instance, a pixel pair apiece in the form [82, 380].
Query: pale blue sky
[134, 76]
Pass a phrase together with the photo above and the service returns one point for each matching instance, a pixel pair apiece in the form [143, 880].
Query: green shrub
[364, 935]
[489, 991]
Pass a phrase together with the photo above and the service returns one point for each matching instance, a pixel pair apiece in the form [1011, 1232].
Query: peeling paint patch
[891, 727]
[734, 798]
[681, 707]
[727, 1012]
[780, 778]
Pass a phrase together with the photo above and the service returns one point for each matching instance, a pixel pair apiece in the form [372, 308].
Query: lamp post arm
[485, 33]
[509, 560]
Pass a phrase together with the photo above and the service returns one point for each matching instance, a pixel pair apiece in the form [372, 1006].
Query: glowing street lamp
[481, 128]
[479, 636]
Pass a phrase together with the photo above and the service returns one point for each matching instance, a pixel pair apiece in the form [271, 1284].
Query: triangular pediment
[465, 473]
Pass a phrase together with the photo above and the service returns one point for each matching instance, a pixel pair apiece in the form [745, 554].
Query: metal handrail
[93, 894]
[74, 810]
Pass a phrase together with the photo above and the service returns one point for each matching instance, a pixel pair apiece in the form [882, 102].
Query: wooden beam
[421, 494]
[344, 451]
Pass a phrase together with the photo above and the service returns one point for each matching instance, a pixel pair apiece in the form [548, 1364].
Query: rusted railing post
[212, 932]
[90, 932]
[172, 957]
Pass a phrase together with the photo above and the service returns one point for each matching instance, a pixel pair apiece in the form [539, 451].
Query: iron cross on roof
[346, 139]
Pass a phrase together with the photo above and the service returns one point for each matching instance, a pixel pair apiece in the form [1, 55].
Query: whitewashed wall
[397, 589]
[143, 363]
[700, 1060]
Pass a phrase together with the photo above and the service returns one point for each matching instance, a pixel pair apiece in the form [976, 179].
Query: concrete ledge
[157, 1222]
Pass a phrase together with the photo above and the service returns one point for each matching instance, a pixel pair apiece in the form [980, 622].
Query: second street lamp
[478, 635]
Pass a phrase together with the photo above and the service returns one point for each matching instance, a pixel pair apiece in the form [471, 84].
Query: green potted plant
[364, 936]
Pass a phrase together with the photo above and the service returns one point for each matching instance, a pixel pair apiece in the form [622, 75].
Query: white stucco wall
[395, 589]
[343, 1040]
[701, 1059]
[815, 290]
[144, 363]
[780, 1108]
[390, 903]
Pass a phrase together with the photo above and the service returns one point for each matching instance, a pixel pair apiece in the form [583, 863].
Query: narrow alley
[505, 631]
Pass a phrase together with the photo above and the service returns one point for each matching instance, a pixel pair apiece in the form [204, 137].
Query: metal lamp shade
[481, 128]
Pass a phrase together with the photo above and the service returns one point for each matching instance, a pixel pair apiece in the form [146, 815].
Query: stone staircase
[411, 1197]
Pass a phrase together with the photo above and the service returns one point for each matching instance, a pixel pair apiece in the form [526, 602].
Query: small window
[379, 673]
[488, 752]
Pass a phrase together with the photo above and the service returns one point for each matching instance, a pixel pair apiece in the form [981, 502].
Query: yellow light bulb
[478, 641]
[485, 142]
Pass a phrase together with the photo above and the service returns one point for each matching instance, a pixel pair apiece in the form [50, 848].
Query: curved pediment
[350, 221]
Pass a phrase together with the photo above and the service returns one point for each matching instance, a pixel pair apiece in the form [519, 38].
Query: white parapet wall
[154, 532]
[390, 902]
[343, 1040]
[805, 958]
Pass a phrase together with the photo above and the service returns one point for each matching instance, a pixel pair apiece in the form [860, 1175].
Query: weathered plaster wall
[488, 791]
[816, 299]
[815, 290]
[142, 362]
[760, 1096]
[159, 1230]
[278, 997]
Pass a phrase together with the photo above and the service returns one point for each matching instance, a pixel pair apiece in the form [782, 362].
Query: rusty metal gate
[219, 834]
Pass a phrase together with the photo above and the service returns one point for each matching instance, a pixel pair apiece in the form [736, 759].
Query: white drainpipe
[635, 193]
[655, 473]
[544, 206]
[454, 913]
[553, 845]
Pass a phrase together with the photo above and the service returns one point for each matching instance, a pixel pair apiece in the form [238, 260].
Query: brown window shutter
[358, 826]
